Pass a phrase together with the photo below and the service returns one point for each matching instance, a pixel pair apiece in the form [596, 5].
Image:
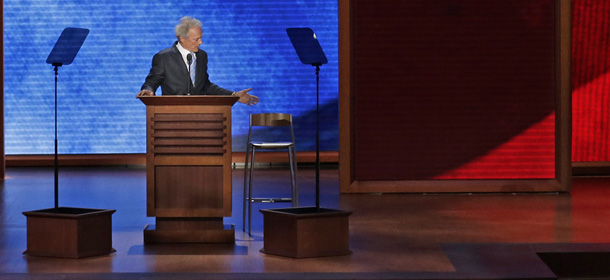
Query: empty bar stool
[259, 124]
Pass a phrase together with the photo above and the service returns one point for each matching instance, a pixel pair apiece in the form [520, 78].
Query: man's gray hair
[186, 23]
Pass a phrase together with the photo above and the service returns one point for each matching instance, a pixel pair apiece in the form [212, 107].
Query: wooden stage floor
[392, 236]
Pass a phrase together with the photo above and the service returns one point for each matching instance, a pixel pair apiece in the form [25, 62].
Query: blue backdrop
[98, 113]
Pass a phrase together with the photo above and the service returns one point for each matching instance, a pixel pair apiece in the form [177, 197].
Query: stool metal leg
[293, 182]
[245, 187]
[250, 192]
[295, 164]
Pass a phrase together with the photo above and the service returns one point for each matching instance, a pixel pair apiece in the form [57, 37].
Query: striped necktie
[193, 68]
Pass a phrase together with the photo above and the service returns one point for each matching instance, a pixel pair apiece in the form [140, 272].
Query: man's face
[193, 41]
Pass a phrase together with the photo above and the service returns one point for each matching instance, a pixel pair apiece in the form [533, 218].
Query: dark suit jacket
[170, 72]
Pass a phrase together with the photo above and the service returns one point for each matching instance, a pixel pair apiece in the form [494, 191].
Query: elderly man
[183, 68]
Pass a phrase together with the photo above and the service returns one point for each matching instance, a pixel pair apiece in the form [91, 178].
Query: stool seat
[270, 200]
[272, 145]
[267, 120]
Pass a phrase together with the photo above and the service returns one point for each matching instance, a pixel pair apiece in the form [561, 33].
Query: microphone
[189, 58]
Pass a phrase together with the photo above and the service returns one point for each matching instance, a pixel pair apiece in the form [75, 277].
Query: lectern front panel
[189, 161]
[191, 188]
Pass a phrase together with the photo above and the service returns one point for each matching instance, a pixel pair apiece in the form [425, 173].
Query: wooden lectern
[188, 168]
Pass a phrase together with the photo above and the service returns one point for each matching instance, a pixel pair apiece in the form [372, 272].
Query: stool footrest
[270, 200]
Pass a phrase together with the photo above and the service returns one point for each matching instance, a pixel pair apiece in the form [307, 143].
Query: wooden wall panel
[445, 92]
[591, 80]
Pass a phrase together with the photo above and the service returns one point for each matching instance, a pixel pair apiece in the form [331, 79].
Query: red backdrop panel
[450, 89]
[591, 80]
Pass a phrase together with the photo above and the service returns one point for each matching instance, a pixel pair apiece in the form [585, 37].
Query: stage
[392, 236]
